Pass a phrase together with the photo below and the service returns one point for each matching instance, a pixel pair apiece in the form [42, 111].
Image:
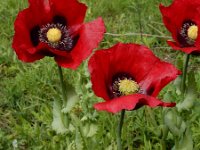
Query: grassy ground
[27, 91]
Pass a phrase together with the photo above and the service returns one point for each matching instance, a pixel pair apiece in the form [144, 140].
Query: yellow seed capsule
[192, 32]
[127, 87]
[54, 35]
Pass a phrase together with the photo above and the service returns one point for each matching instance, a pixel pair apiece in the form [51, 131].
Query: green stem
[183, 83]
[164, 131]
[176, 143]
[119, 130]
[63, 86]
[139, 19]
[163, 144]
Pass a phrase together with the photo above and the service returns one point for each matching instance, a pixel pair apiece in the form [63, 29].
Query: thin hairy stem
[119, 130]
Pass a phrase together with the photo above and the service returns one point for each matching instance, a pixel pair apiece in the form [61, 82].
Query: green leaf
[72, 99]
[57, 123]
[170, 121]
[71, 127]
[177, 83]
[164, 130]
[186, 142]
[71, 146]
[175, 123]
[90, 130]
[93, 130]
[191, 94]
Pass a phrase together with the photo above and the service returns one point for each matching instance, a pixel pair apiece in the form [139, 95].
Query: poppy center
[123, 84]
[188, 33]
[192, 32]
[57, 36]
[54, 35]
[127, 87]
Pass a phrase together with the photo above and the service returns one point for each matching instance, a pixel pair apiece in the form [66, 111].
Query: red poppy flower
[55, 28]
[128, 76]
[181, 18]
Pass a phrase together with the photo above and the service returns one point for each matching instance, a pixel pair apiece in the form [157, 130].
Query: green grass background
[27, 91]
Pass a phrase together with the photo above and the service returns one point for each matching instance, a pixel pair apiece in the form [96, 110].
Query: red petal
[132, 58]
[22, 43]
[37, 14]
[159, 76]
[170, 25]
[130, 102]
[187, 50]
[73, 10]
[24, 55]
[65, 61]
[100, 71]
[90, 35]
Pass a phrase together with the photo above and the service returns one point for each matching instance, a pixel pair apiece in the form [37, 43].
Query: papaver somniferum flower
[55, 28]
[181, 18]
[128, 76]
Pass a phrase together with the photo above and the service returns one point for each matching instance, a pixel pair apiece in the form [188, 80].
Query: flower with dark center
[128, 76]
[55, 28]
[181, 18]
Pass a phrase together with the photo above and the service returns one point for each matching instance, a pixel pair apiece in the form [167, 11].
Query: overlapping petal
[130, 102]
[90, 35]
[158, 77]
